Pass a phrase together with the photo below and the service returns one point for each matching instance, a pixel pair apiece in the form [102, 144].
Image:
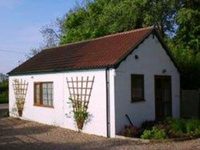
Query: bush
[154, 133]
[80, 117]
[169, 128]
[148, 124]
[177, 125]
[131, 131]
[191, 125]
[4, 92]
[183, 127]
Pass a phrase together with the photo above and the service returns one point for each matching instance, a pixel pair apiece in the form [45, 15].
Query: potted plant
[80, 113]
[20, 106]
[80, 117]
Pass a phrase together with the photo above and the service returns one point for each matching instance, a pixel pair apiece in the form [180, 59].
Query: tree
[163, 14]
[4, 91]
[185, 44]
[51, 36]
[33, 52]
[102, 17]
[188, 32]
[177, 21]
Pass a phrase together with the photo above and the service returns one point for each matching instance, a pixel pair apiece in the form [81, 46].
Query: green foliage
[185, 45]
[148, 124]
[193, 126]
[154, 133]
[177, 127]
[172, 128]
[102, 17]
[183, 127]
[4, 91]
[189, 28]
[177, 21]
[80, 113]
[189, 64]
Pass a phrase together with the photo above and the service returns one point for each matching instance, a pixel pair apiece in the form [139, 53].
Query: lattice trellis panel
[20, 89]
[80, 90]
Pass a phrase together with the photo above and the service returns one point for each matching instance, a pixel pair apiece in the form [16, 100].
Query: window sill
[137, 100]
[43, 106]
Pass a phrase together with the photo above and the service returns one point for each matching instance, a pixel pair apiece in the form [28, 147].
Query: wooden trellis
[20, 89]
[80, 91]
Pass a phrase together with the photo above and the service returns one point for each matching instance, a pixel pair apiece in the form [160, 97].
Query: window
[137, 87]
[43, 94]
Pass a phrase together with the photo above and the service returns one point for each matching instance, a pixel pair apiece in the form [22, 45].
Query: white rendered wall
[152, 60]
[61, 114]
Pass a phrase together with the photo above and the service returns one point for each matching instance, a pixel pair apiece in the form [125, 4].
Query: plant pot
[20, 112]
[80, 124]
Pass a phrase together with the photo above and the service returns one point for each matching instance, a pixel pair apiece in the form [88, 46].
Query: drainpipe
[107, 102]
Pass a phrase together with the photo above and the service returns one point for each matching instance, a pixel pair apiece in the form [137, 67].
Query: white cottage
[133, 74]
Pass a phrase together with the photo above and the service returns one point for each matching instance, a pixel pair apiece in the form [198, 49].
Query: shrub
[80, 117]
[197, 132]
[80, 112]
[177, 125]
[169, 128]
[183, 127]
[131, 131]
[192, 125]
[154, 133]
[148, 124]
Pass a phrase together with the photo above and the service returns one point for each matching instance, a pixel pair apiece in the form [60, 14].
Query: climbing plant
[20, 89]
[80, 91]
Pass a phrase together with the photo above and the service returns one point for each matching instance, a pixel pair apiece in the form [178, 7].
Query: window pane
[47, 94]
[44, 94]
[37, 94]
[137, 87]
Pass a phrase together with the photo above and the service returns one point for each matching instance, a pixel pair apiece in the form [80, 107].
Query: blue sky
[20, 24]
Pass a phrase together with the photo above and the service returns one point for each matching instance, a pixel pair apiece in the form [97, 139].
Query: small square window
[43, 94]
[137, 87]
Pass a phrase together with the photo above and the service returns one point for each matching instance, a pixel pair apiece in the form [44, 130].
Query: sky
[20, 25]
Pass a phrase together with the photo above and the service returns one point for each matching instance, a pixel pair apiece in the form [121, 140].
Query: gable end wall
[152, 60]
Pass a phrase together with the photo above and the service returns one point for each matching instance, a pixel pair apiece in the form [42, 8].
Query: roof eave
[59, 70]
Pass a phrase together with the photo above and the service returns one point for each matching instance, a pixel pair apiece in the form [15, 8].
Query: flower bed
[167, 129]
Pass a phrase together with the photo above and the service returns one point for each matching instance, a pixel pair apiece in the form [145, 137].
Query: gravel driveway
[17, 134]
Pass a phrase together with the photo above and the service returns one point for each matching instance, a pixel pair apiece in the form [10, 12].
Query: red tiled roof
[102, 52]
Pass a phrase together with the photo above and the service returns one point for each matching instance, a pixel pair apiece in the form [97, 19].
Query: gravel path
[3, 106]
[17, 134]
